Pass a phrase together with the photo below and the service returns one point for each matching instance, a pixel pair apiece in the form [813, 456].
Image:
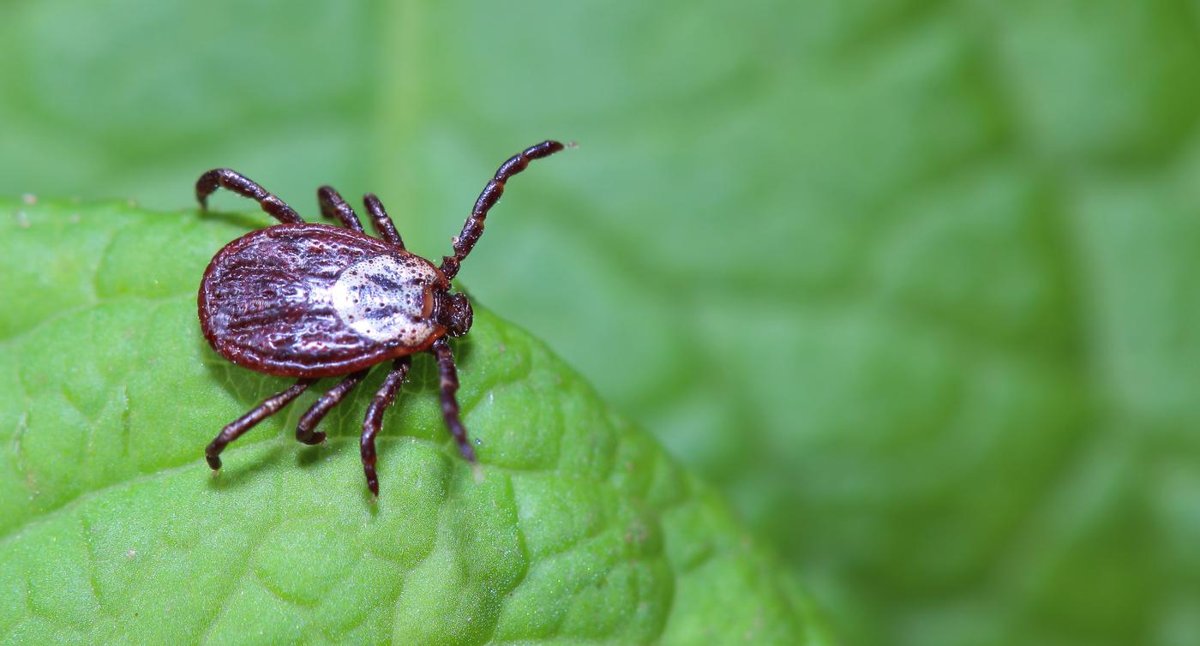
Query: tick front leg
[488, 198]
[374, 419]
[242, 185]
[382, 221]
[335, 208]
[449, 388]
[234, 430]
[317, 412]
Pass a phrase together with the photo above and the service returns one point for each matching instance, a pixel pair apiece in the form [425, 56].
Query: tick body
[309, 301]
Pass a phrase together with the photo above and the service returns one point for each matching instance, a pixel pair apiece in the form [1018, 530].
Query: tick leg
[487, 199]
[374, 419]
[449, 386]
[234, 430]
[335, 208]
[317, 412]
[382, 221]
[243, 185]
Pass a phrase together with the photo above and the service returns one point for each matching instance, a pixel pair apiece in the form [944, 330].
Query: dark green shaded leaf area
[575, 527]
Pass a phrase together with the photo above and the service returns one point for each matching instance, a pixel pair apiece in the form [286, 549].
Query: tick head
[454, 313]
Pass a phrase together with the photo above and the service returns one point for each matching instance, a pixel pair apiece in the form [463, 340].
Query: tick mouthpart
[454, 313]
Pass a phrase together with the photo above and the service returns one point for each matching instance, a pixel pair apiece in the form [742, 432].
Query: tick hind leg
[317, 412]
[335, 208]
[236, 428]
[449, 390]
[242, 185]
[374, 419]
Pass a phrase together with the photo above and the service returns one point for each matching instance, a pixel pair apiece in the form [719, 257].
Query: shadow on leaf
[237, 473]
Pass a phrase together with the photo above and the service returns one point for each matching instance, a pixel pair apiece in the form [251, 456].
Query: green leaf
[575, 527]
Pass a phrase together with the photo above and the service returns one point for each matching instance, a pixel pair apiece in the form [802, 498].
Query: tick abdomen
[314, 300]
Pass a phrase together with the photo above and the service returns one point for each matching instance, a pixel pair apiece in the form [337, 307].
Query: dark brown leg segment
[487, 199]
[317, 412]
[234, 430]
[374, 419]
[449, 383]
[243, 185]
[383, 222]
[335, 208]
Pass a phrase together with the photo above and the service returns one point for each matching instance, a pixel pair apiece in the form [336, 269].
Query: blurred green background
[913, 282]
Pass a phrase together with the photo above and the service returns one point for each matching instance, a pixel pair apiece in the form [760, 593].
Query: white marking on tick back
[382, 298]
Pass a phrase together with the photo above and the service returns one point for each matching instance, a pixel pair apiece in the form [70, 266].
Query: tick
[309, 301]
